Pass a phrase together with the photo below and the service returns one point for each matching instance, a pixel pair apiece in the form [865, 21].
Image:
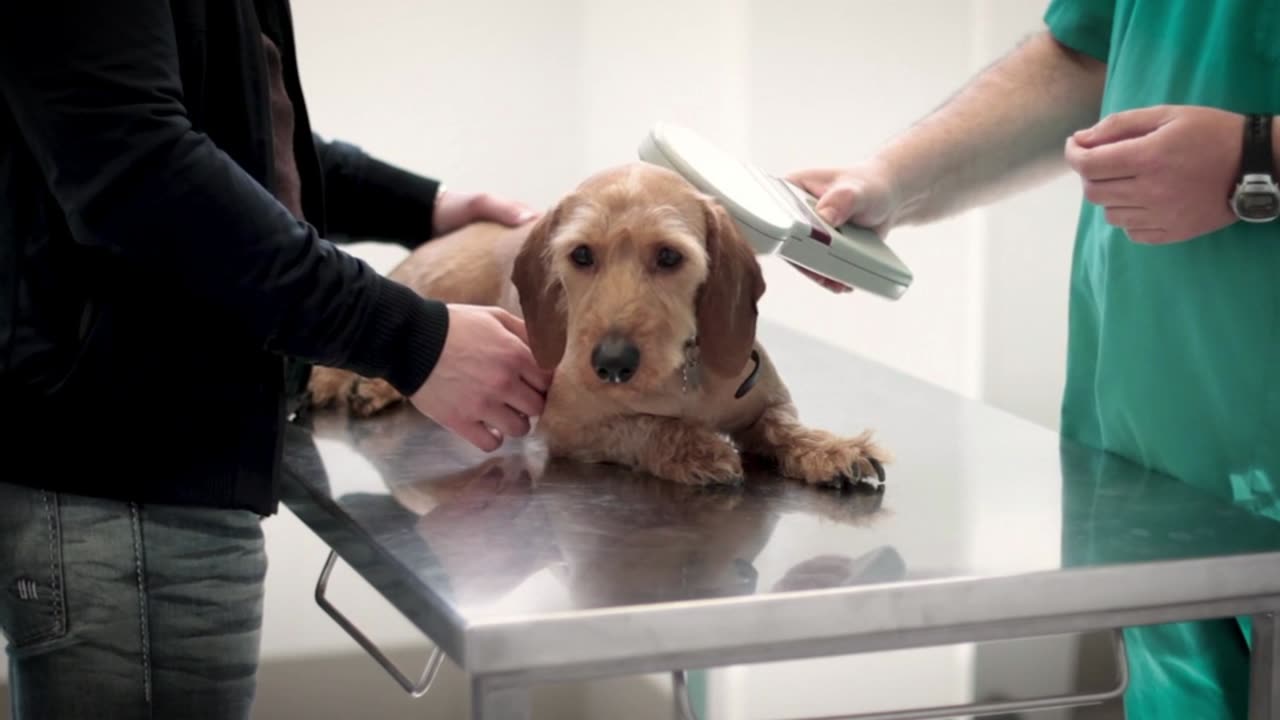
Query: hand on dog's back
[486, 384]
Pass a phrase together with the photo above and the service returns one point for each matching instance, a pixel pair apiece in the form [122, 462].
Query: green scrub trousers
[1174, 351]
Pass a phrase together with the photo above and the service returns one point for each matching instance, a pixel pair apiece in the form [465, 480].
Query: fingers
[1149, 236]
[456, 210]
[477, 434]
[862, 194]
[836, 206]
[496, 422]
[507, 421]
[1121, 201]
[814, 182]
[1116, 147]
[828, 283]
[1122, 126]
[513, 324]
[1130, 217]
[1120, 160]
[496, 209]
[1113, 193]
[536, 378]
[529, 370]
[1123, 205]
[1138, 223]
[525, 398]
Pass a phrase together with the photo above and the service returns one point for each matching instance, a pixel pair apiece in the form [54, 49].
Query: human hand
[862, 195]
[486, 384]
[455, 210]
[1164, 174]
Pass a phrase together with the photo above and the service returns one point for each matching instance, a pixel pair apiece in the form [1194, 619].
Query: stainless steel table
[525, 571]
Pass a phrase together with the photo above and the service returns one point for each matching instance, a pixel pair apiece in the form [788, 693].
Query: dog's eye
[582, 257]
[668, 258]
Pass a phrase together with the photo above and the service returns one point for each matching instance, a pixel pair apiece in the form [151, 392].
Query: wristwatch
[1257, 196]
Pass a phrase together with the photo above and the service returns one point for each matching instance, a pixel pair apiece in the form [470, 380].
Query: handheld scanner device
[776, 216]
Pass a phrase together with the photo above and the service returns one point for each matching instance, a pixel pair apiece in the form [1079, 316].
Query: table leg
[1264, 680]
[499, 703]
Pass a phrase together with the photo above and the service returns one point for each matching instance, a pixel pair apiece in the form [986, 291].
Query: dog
[641, 295]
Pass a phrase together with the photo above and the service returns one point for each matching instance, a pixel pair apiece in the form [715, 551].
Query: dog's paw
[820, 458]
[367, 398]
[328, 386]
[704, 462]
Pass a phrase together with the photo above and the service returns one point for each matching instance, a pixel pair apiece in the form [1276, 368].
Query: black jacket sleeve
[95, 91]
[368, 198]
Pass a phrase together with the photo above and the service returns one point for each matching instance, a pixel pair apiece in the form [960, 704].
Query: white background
[528, 98]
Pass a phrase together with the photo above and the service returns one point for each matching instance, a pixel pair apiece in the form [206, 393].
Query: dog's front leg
[814, 456]
[330, 386]
[361, 396]
[369, 397]
[664, 447]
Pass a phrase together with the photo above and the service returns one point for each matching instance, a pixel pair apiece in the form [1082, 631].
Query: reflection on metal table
[525, 571]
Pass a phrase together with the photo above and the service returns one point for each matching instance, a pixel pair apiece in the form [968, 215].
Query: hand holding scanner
[776, 216]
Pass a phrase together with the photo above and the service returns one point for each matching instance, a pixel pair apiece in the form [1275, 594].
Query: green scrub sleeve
[1082, 25]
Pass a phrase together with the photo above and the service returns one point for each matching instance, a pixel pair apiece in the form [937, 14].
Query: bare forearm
[1005, 130]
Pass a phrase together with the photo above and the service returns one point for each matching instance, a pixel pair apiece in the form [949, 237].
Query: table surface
[988, 526]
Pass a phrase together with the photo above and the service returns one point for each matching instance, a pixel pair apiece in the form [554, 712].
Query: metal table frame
[504, 695]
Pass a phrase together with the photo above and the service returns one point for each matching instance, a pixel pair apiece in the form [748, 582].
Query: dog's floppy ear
[726, 310]
[541, 295]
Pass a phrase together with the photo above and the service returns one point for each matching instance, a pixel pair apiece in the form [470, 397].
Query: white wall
[1026, 245]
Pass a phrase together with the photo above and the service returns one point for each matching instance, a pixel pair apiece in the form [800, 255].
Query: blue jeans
[115, 610]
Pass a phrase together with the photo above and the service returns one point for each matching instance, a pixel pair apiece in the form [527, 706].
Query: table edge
[823, 622]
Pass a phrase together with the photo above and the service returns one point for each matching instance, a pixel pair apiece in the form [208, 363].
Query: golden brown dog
[640, 293]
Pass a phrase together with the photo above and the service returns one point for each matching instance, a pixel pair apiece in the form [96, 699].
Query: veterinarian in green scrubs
[1175, 348]
[1174, 330]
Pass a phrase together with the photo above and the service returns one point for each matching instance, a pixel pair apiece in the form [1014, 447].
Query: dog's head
[627, 272]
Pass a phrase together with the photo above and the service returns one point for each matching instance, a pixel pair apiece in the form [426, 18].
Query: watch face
[1258, 206]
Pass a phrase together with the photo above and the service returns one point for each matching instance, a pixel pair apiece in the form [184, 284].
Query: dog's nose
[615, 360]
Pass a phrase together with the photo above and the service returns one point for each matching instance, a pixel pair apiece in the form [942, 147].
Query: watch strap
[1257, 158]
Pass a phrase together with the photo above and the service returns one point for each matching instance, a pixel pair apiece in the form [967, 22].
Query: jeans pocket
[32, 589]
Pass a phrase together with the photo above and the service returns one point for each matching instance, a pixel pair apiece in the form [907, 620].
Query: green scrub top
[1174, 351]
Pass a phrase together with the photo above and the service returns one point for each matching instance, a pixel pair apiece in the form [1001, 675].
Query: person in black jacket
[165, 281]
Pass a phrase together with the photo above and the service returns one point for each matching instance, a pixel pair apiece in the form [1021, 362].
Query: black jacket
[152, 289]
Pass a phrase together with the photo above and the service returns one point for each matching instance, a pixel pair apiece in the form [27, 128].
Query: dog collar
[691, 362]
[750, 382]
